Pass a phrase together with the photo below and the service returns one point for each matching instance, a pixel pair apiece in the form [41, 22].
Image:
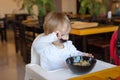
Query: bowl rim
[80, 69]
[94, 60]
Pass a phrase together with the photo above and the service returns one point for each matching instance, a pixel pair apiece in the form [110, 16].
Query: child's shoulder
[69, 42]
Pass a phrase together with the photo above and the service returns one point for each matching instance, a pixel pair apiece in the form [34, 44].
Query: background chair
[9, 18]
[3, 32]
[99, 46]
[29, 36]
[18, 31]
[113, 55]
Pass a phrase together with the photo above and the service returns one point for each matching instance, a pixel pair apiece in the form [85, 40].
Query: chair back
[118, 43]
[35, 57]
[113, 53]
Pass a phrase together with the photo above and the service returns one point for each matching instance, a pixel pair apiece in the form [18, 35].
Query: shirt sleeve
[73, 50]
[43, 42]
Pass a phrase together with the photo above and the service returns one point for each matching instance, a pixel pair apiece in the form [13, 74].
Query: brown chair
[30, 32]
[29, 36]
[99, 46]
[9, 18]
[18, 31]
[3, 32]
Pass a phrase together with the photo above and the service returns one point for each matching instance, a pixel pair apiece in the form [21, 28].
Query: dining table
[107, 74]
[92, 30]
[79, 30]
[35, 72]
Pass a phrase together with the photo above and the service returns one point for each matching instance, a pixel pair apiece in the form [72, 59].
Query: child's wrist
[88, 54]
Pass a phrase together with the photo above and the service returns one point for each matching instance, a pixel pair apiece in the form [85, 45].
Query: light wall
[6, 6]
[11, 6]
[69, 6]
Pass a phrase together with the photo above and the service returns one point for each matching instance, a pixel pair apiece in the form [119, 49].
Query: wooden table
[82, 32]
[3, 32]
[93, 30]
[107, 74]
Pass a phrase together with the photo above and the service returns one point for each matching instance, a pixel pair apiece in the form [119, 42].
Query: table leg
[84, 43]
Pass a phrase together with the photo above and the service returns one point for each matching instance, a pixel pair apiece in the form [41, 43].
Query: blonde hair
[53, 19]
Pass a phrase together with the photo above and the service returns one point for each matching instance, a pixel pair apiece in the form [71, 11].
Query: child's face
[64, 32]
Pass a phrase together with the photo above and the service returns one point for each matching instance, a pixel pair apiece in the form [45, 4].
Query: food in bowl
[80, 64]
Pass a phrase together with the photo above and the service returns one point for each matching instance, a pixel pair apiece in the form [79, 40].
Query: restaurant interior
[93, 29]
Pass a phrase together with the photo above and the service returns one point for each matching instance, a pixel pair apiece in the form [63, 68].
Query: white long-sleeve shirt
[52, 57]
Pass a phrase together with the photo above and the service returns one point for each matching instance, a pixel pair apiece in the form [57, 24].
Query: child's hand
[58, 34]
[88, 54]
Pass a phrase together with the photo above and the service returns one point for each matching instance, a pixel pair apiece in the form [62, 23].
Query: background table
[90, 31]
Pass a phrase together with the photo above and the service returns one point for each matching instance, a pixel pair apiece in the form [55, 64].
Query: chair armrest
[34, 72]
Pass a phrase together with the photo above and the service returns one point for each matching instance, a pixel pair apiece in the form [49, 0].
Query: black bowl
[80, 69]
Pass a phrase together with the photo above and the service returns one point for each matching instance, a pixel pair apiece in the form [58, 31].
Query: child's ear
[58, 34]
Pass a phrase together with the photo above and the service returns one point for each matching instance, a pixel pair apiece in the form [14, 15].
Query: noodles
[82, 63]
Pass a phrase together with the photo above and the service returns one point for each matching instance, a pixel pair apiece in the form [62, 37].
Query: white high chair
[35, 60]
[33, 71]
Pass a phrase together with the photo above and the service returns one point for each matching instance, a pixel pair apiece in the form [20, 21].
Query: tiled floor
[12, 66]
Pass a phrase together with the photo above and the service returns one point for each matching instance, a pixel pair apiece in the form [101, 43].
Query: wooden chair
[29, 36]
[18, 31]
[30, 33]
[3, 32]
[9, 18]
[102, 46]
